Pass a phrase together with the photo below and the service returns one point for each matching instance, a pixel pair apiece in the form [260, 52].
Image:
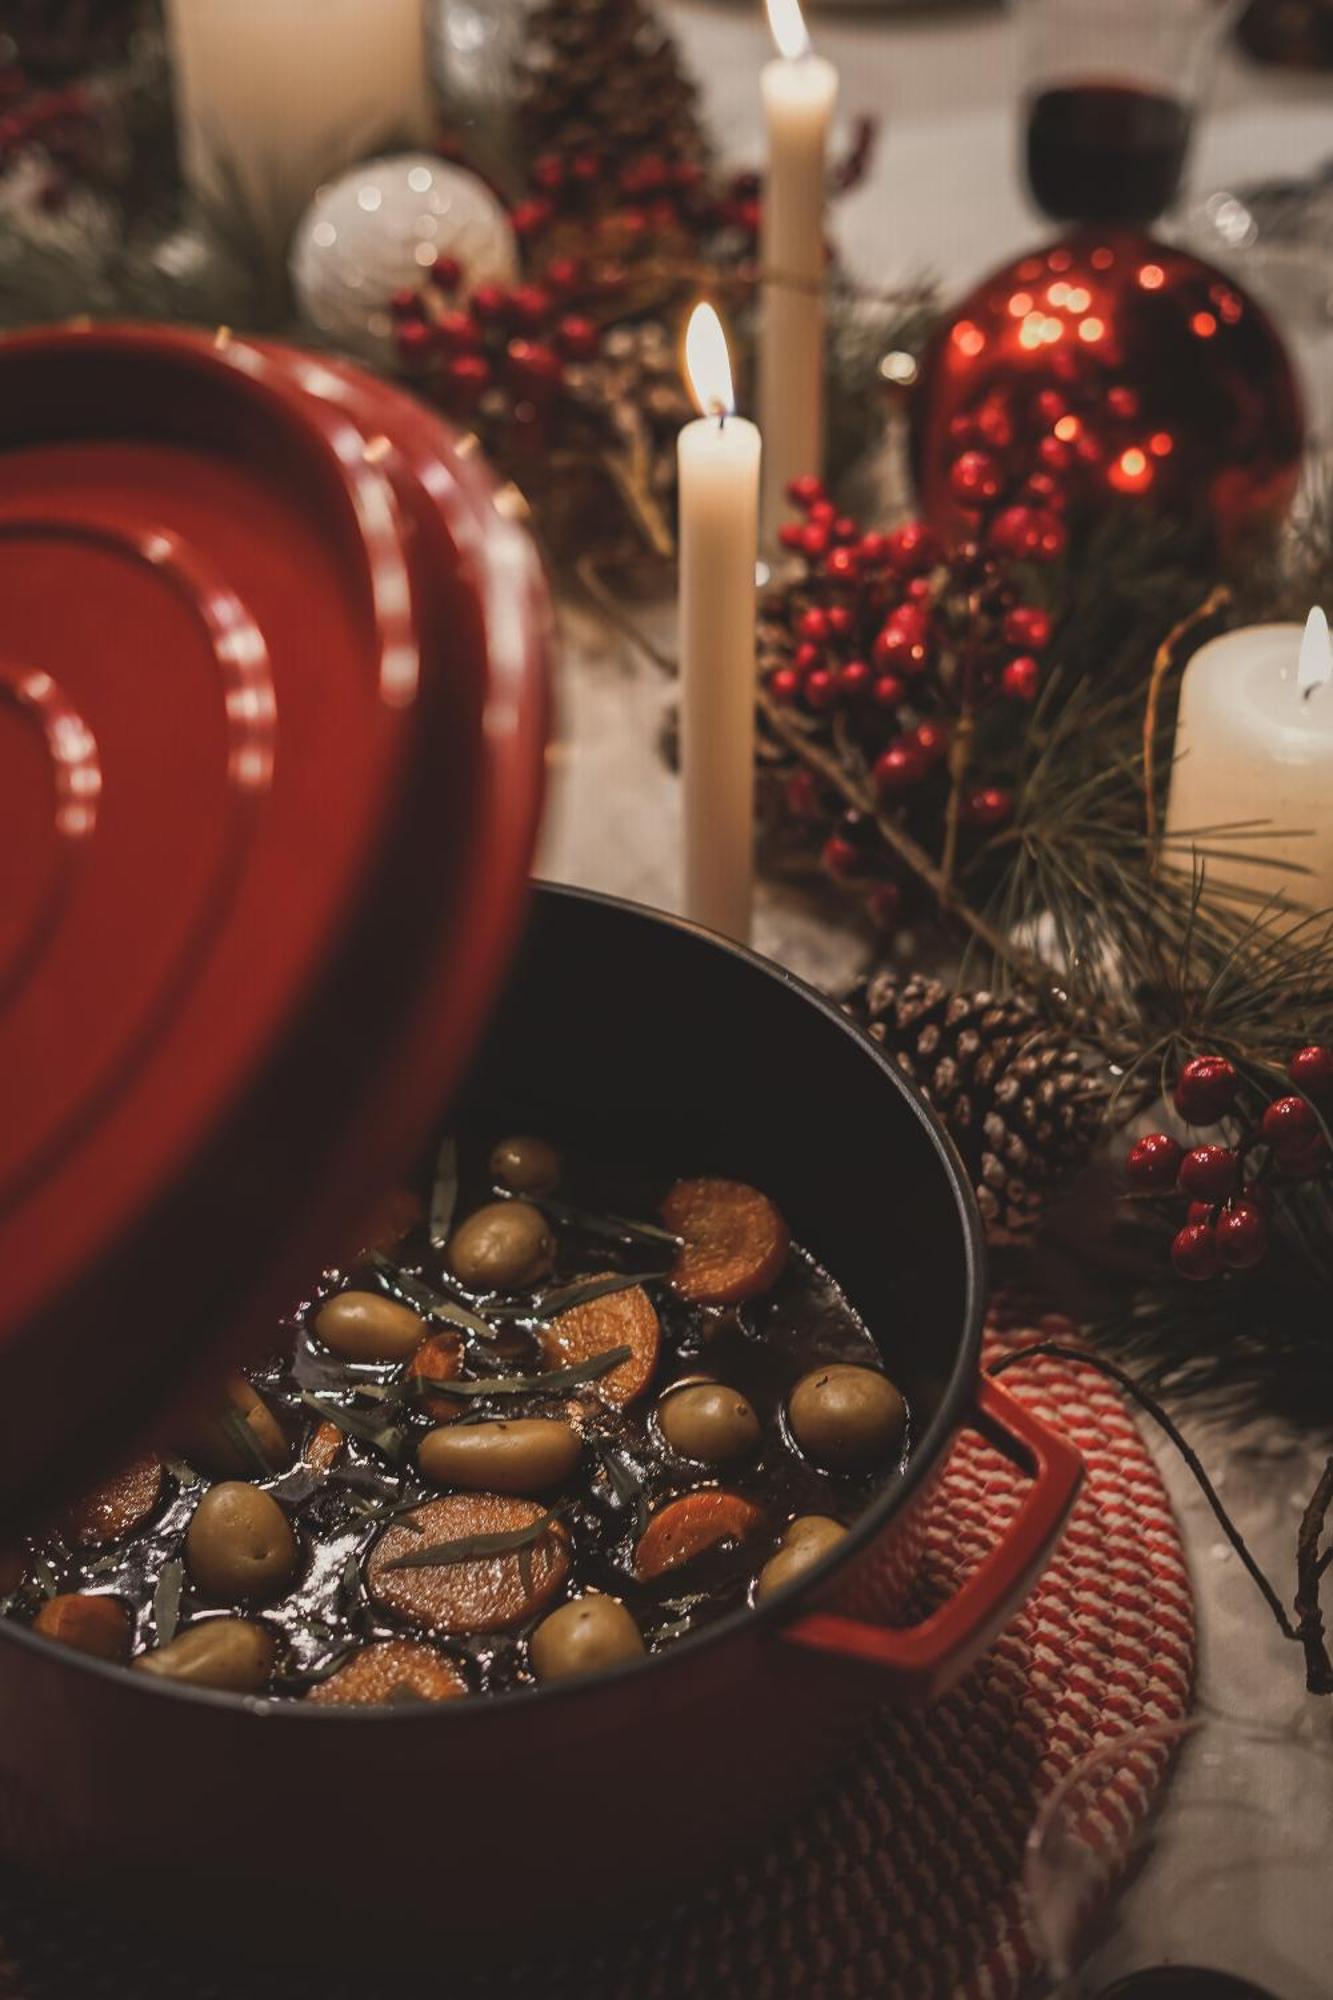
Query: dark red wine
[1105, 152]
[1183, 1982]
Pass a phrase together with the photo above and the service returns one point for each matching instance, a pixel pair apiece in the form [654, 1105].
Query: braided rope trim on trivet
[903, 1882]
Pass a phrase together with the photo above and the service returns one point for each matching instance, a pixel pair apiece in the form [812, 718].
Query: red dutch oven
[626, 1033]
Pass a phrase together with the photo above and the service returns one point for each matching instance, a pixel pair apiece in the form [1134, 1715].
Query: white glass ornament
[379, 228]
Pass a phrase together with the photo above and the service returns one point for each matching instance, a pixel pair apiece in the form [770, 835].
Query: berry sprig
[1231, 1187]
[887, 647]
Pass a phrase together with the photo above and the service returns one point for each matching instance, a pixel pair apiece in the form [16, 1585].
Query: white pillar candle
[799, 91]
[275, 96]
[1254, 754]
[718, 462]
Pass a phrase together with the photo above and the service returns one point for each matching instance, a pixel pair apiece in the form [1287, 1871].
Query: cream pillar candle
[799, 91]
[718, 463]
[275, 96]
[1254, 754]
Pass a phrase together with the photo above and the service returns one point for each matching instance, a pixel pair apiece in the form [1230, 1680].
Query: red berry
[548, 172]
[585, 167]
[899, 768]
[1311, 1070]
[447, 273]
[489, 302]
[1209, 1172]
[579, 338]
[1289, 1124]
[842, 565]
[872, 546]
[530, 306]
[804, 492]
[814, 540]
[1153, 1163]
[1028, 626]
[1032, 534]
[1055, 454]
[458, 332]
[530, 218]
[885, 904]
[1194, 1252]
[1201, 1211]
[995, 426]
[820, 689]
[839, 620]
[932, 740]
[813, 624]
[845, 528]
[802, 794]
[466, 377]
[1122, 401]
[975, 478]
[609, 280]
[790, 535]
[806, 656]
[1242, 1234]
[901, 641]
[784, 684]
[563, 275]
[854, 679]
[405, 303]
[1299, 1163]
[989, 807]
[888, 691]
[1021, 678]
[824, 512]
[414, 340]
[839, 857]
[919, 590]
[913, 548]
[1205, 1090]
[534, 368]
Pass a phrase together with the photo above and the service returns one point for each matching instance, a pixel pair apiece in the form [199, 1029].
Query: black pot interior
[639, 1039]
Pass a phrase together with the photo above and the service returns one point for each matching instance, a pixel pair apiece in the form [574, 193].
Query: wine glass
[1223, 1893]
[1111, 89]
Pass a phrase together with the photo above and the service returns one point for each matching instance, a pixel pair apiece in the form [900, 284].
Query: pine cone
[1016, 1094]
[605, 77]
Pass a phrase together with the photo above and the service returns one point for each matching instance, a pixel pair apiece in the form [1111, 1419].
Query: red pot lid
[272, 719]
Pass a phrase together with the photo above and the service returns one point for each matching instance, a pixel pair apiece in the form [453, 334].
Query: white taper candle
[718, 460]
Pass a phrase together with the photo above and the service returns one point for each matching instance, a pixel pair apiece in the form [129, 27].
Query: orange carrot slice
[438, 1359]
[481, 1593]
[388, 1670]
[734, 1241]
[617, 1319]
[96, 1625]
[685, 1527]
[118, 1505]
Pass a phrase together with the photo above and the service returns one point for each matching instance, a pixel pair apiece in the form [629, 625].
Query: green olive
[584, 1636]
[239, 1543]
[230, 1653]
[806, 1542]
[526, 1165]
[365, 1326]
[239, 1438]
[504, 1247]
[846, 1417]
[708, 1422]
[507, 1455]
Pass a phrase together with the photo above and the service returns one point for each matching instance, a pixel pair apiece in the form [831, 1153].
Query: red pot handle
[923, 1661]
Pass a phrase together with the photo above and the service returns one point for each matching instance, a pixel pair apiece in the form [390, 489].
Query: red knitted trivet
[904, 1881]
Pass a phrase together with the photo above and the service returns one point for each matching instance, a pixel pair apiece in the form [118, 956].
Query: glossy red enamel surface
[271, 767]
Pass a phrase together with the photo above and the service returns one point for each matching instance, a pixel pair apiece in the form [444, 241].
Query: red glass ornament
[1195, 1252]
[1241, 1231]
[1205, 1090]
[1311, 1070]
[898, 768]
[1153, 1163]
[1171, 370]
[1209, 1172]
[1290, 1123]
[1021, 678]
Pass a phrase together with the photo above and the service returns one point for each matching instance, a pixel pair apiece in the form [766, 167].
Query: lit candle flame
[707, 363]
[1315, 665]
[788, 29]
